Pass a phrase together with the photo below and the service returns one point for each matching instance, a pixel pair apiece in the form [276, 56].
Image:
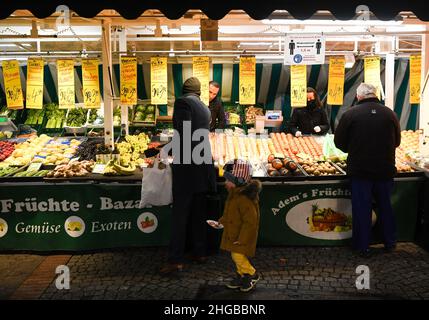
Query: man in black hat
[193, 176]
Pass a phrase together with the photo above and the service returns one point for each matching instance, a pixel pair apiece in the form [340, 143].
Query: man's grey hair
[366, 90]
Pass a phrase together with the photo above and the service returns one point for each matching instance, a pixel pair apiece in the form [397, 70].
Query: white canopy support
[124, 109]
[107, 84]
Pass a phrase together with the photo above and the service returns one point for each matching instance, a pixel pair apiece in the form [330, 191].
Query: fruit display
[32, 173]
[280, 167]
[251, 114]
[115, 169]
[24, 152]
[74, 169]
[76, 117]
[54, 115]
[87, 150]
[145, 113]
[132, 148]
[5, 134]
[6, 149]
[117, 116]
[57, 151]
[319, 168]
[342, 164]
[403, 167]
[408, 150]
[8, 170]
[232, 118]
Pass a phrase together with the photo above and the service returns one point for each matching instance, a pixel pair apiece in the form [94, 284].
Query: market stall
[71, 170]
[74, 209]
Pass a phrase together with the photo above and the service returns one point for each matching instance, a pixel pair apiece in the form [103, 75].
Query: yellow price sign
[128, 80]
[415, 78]
[372, 73]
[201, 70]
[66, 91]
[91, 85]
[34, 84]
[158, 80]
[247, 80]
[12, 84]
[298, 85]
[336, 80]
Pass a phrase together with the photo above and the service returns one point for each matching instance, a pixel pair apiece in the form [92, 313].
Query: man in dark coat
[193, 175]
[311, 119]
[216, 108]
[370, 133]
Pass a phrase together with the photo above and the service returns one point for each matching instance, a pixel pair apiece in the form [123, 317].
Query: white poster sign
[304, 49]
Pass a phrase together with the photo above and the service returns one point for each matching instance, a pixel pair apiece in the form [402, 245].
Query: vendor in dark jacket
[370, 133]
[311, 119]
[216, 108]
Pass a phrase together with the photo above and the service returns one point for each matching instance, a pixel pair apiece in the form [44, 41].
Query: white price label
[34, 166]
[99, 168]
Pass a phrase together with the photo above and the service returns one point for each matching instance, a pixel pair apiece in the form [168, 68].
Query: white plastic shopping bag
[157, 185]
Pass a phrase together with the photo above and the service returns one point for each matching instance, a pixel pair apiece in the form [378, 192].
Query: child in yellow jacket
[241, 222]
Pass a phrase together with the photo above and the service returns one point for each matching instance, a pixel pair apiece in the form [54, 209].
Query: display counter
[87, 215]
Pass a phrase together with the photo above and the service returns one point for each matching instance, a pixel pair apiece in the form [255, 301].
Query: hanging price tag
[66, 92]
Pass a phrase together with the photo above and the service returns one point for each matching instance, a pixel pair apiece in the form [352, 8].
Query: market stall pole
[424, 111]
[124, 108]
[107, 83]
[390, 79]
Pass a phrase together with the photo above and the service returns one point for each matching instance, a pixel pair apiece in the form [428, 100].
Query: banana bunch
[115, 169]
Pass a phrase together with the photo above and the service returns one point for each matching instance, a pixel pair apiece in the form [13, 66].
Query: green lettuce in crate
[117, 115]
[144, 113]
[34, 116]
[54, 115]
[92, 115]
[76, 117]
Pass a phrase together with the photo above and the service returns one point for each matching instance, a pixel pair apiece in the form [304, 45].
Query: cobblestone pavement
[14, 269]
[287, 273]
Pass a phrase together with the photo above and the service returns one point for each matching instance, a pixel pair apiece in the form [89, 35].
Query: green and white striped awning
[272, 86]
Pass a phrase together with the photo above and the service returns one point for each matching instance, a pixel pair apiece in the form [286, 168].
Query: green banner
[288, 213]
[47, 217]
[79, 217]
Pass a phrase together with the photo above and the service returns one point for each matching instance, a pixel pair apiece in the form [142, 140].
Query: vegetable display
[251, 114]
[145, 113]
[76, 117]
[35, 117]
[226, 147]
[54, 115]
[74, 169]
